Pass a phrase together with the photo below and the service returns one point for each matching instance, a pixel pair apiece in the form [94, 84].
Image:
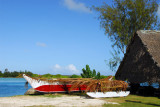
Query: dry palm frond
[92, 85]
[101, 85]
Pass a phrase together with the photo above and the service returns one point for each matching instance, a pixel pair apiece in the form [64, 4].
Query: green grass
[133, 101]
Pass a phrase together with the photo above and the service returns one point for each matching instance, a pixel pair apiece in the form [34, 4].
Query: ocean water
[155, 85]
[12, 86]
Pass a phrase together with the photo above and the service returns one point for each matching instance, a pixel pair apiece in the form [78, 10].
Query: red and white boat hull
[44, 86]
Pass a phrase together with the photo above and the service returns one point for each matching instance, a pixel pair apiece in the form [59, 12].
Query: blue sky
[52, 36]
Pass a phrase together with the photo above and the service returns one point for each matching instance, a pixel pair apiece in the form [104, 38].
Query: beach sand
[21, 101]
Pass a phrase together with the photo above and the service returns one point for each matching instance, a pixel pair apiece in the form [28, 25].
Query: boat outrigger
[93, 88]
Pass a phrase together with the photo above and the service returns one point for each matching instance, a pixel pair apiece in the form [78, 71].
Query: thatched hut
[141, 63]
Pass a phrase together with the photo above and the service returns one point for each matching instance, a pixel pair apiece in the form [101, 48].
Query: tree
[14, 74]
[94, 73]
[6, 73]
[98, 76]
[124, 18]
[87, 73]
[1, 74]
[28, 73]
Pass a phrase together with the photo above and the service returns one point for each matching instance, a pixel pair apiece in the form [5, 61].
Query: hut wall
[137, 65]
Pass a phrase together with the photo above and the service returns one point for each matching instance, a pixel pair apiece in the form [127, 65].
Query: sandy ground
[21, 101]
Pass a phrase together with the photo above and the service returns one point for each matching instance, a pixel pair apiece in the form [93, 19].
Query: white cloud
[41, 44]
[76, 6]
[71, 67]
[57, 66]
[158, 12]
[65, 70]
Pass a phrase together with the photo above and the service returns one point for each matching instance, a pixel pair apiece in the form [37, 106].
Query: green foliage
[94, 73]
[6, 73]
[58, 76]
[98, 76]
[102, 77]
[50, 76]
[14, 74]
[35, 75]
[1, 74]
[124, 18]
[114, 61]
[65, 76]
[28, 73]
[75, 76]
[87, 73]
[47, 76]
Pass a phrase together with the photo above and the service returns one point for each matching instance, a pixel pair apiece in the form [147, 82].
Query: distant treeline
[14, 73]
[49, 76]
[7, 73]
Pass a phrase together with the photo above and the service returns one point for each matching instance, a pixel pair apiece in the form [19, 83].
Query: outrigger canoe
[50, 87]
[54, 86]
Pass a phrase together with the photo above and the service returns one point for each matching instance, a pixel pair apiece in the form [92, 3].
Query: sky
[53, 36]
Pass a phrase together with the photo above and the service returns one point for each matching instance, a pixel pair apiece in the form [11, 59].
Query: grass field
[133, 101]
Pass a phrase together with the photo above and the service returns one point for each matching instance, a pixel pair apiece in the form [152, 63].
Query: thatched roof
[141, 63]
[151, 40]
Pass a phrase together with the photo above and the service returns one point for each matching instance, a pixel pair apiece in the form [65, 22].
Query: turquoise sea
[12, 86]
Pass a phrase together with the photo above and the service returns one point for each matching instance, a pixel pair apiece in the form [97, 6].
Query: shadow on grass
[142, 103]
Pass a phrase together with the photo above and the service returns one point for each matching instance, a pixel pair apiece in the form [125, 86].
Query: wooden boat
[50, 85]
[93, 88]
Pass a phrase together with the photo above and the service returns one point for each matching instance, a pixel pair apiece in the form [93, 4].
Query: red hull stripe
[58, 88]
